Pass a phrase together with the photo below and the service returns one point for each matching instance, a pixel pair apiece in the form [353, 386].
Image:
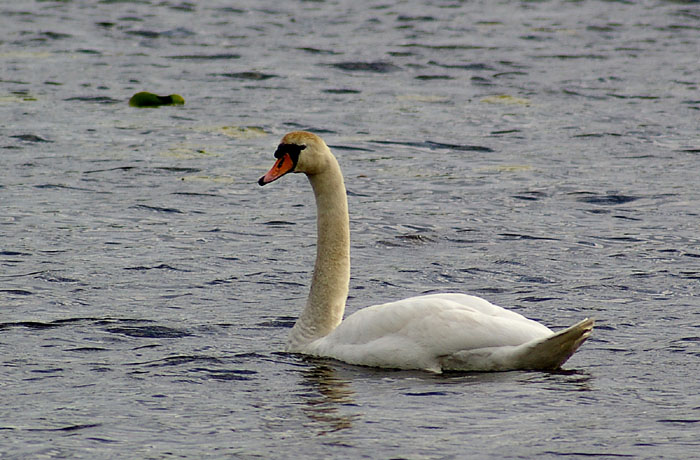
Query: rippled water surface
[543, 155]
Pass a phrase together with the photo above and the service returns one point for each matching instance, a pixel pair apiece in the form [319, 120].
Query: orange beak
[283, 166]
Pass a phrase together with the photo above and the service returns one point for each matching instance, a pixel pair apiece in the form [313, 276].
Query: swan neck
[329, 285]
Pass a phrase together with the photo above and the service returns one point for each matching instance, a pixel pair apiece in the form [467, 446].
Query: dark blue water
[543, 155]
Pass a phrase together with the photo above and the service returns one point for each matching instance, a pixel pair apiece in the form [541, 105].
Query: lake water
[541, 154]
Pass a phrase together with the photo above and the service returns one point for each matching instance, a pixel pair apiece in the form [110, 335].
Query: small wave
[608, 199]
[205, 57]
[358, 66]
[226, 374]
[68, 428]
[520, 236]
[155, 267]
[286, 322]
[157, 209]
[278, 223]
[30, 138]
[439, 146]
[150, 332]
[249, 75]
[341, 91]
[94, 99]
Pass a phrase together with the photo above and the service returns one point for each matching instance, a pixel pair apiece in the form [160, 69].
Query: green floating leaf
[146, 99]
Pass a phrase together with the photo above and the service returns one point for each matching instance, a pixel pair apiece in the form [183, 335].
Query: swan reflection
[330, 393]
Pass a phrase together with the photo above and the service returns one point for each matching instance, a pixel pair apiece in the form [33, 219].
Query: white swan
[433, 332]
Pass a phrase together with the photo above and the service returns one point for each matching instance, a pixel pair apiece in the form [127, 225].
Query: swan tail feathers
[550, 353]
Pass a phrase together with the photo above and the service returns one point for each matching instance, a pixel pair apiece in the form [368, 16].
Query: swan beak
[283, 166]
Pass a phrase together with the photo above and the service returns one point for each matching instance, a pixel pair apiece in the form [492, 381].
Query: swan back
[419, 332]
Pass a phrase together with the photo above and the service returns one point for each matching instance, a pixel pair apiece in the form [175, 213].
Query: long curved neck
[329, 285]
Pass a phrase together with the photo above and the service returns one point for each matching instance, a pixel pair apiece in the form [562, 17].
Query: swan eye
[293, 150]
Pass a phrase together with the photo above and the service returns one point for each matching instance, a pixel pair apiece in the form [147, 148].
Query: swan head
[298, 152]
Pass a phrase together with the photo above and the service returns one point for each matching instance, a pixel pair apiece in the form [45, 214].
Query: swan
[435, 333]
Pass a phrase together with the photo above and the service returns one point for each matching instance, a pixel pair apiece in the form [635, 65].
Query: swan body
[437, 332]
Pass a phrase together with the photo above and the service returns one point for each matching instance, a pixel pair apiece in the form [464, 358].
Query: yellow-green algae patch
[215, 179]
[17, 98]
[426, 98]
[506, 168]
[242, 132]
[505, 99]
[233, 131]
[25, 55]
[186, 151]
[146, 99]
